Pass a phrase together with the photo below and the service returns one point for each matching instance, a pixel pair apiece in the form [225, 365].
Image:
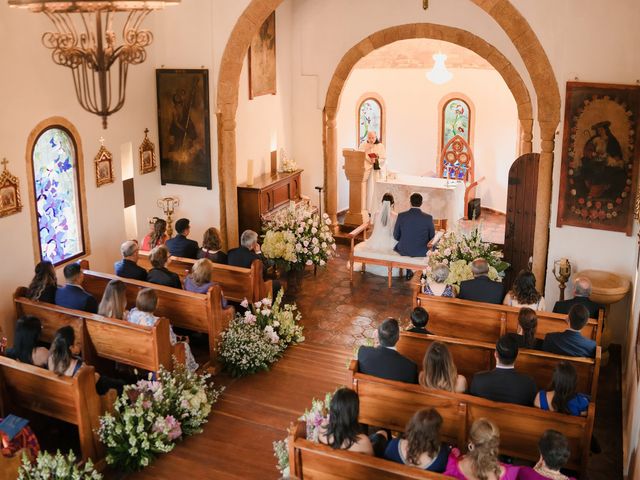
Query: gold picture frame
[147, 155]
[103, 166]
[10, 201]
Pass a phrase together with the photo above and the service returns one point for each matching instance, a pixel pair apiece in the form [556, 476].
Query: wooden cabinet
[268, 193]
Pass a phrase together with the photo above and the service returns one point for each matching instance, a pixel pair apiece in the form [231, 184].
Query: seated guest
[481, 460]
[342, 431]
[419, 320]
[114, 300]
[180, 245]
[157, 235]
[212, 247]
[414, 229]
[72, 295]
[581, 293]
[554, 454]
[481, 288]
[420, 445]
[504, 384]
[439, 371]
[527, 327]
[247, 252]
[438, 285]
[128, 267]
[571, 342]
[384, 361]
[25, 342]
[561, 395]
[142, 314]
[199, 280]
[44, 285]
[160, 274]
[524, 293]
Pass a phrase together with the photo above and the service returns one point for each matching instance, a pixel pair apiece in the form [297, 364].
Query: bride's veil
[385, 213]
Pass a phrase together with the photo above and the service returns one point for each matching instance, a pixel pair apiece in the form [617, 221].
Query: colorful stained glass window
[369, 118]
[456, 121]
[55, 174]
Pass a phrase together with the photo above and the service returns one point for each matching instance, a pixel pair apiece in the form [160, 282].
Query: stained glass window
[55, 175]
[456, 120]
[369, 118]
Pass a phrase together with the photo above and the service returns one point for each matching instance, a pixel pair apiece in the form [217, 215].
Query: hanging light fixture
[86, 42]
[439, 73]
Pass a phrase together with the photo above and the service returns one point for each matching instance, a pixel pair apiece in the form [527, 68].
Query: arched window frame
[378, 99]
[65, 125]
[444, 102]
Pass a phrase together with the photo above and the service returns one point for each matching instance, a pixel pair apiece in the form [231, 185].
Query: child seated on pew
[561, 395]
[142, 314]
[554, 454]
[25, 343]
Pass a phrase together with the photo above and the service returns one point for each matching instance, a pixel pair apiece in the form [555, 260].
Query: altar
[441, 199]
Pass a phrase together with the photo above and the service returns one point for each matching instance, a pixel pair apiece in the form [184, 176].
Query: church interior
[281, 147]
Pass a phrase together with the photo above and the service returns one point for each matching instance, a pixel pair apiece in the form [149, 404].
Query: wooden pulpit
[357, 174]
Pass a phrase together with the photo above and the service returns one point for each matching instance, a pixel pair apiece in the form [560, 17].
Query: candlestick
[562, 272]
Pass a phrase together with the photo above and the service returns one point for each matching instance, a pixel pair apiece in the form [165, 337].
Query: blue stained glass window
[55, 174]
[370, 118]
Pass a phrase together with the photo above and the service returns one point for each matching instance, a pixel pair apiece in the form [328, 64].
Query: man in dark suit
[581, 293]
[180, 245]
[72, 295]
[128, 267]
[481, 288]
[414, 230]
[384, 361]
[504, 383]
[571, 342]
[246, 253]
[419, 320]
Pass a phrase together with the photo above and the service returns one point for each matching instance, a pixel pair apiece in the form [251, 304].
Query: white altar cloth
[439, 199]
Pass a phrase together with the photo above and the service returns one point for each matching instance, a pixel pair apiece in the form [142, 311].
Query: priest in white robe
[376, 157]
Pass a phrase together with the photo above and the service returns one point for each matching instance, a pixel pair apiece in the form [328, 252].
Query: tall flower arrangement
[296, 237]
[457, 251]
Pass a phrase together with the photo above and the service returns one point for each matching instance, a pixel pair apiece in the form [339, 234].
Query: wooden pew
[310, 460]
[471, 357]
[237, 283]
[486, 322]
[71, 399]
[192, 311]
[390, 404]
[97, 336]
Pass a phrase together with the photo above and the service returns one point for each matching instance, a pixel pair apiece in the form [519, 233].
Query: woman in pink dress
[157, 235]
[554, 454]
[481, 460]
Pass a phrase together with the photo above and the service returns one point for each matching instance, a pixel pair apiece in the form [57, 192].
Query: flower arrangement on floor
[296, 237]
[258, 338]
[457, 251]
[56, 467]
[150, 416]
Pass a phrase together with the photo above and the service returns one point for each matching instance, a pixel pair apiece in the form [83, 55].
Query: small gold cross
[4, 163]
[146, 132]
[425, 4]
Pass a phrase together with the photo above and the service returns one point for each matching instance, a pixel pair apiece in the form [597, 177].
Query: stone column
[526, 136]
[227, 177]
[357, 174]
[331, 165]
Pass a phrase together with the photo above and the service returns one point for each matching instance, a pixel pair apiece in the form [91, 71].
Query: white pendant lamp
[439, 73]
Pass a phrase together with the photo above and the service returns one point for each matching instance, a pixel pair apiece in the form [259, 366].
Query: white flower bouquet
[281, 452]
[56, 467]
[457, 251]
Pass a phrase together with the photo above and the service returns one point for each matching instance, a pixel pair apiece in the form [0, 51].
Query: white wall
[413, 119]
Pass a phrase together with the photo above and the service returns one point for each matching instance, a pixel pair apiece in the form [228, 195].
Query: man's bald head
[582, 287]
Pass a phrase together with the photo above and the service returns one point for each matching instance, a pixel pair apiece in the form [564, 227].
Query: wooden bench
[471, 356]
[486, 322]
[98, 337]
[390, 404]
[71, 399]
[310, 460]
[237, 283]
[192, 311]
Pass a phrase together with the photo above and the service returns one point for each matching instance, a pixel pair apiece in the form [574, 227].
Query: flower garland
[258, 338]
[56, 467]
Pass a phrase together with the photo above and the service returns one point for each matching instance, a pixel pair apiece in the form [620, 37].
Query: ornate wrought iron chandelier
[85, 42]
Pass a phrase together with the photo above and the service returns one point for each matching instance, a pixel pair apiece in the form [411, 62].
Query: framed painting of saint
[599, 170]
[262, 60]
[183, 127]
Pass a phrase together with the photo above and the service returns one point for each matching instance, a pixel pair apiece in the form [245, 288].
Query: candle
[250, 172]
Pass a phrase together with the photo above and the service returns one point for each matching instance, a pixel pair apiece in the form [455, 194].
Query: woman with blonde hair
[199, 280]
[439, 371]
[114, 300]
[481, 460]
[212, 247]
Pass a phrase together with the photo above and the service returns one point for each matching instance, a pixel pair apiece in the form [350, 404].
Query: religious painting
[599, 156]
[183, 127]
[10, 201]
[104, 166]
[262, 60]
[147, 154]
[369, 119]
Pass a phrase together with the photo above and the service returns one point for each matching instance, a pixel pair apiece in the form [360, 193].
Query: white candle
[250, 172]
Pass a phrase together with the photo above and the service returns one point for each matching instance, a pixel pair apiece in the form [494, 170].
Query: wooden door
[521, 214]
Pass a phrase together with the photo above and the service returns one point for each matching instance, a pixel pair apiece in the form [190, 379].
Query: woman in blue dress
[561, 395]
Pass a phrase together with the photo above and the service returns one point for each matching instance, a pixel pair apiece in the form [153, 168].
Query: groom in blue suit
[414, 230]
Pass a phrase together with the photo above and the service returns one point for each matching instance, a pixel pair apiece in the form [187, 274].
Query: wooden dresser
[268, 193]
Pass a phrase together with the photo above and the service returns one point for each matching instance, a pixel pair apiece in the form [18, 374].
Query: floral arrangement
[258, 338]
[56, 467]
[295, 237]
[457, 251]
[288, 164]
[281, 452]
[152, 414]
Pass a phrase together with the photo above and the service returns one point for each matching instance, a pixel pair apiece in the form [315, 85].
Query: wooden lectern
[357, 174]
